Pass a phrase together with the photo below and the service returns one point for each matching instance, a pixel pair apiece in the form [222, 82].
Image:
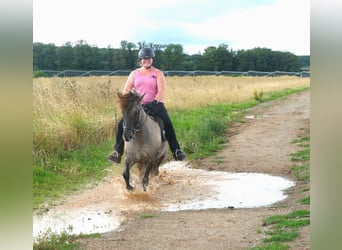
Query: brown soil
[261, 144]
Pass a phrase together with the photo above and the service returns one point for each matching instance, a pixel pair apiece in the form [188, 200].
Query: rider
[150, 82]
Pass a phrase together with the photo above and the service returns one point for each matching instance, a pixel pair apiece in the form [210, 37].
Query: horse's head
[132, 110]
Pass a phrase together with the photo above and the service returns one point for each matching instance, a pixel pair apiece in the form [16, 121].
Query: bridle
[139, 125]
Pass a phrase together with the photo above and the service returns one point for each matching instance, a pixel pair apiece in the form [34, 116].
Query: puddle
[239, 190]
[84, 220]
[255, 116]
[178, 187]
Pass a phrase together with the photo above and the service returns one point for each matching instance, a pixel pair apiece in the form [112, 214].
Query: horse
[144, 144]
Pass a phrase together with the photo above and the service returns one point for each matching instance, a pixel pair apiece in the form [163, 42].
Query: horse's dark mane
[125, 99]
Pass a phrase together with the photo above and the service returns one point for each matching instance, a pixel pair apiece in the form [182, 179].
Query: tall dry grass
[189, 92]
[71, 112]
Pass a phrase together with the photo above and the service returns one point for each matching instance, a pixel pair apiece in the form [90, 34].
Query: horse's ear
[141, 97]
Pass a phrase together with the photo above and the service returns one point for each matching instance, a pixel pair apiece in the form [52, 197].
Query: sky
[280, 25]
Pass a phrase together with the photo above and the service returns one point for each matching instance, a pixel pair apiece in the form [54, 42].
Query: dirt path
[260, 145]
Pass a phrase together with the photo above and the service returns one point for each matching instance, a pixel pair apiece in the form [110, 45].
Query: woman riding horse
[149, 82]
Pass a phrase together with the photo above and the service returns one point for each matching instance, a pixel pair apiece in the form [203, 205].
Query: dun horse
[144, 144]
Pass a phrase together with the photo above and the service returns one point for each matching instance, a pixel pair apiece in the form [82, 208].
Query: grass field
[71, 112]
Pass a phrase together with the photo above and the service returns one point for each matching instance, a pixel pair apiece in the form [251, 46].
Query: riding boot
[179, 155]
[115, 157]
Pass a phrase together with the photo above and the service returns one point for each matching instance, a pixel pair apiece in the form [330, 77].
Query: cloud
[276, 24]
[284, 25]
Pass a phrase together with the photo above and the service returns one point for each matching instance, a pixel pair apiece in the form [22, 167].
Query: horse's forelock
[125, 99]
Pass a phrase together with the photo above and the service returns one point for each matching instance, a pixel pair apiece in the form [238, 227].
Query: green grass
[146, 216]
[62, 241]
[201, 132]
[281, 235]
[287, 220]
[302, 157]
[284, 228]
[305, 201]
[68, 171]
[302, 172]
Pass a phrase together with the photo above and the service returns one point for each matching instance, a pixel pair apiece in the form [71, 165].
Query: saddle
[149, 110]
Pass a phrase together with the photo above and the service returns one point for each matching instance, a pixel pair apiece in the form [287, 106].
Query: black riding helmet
[146, 53]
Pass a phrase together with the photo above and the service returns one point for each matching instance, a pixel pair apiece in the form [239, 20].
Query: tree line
[82, 56]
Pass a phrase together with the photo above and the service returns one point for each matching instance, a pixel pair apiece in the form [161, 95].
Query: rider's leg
[116, 155]
[161, 111]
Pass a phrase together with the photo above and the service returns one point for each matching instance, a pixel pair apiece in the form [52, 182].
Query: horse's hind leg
[147, 173]
[155, 169]
[142, 169]
[126, 175]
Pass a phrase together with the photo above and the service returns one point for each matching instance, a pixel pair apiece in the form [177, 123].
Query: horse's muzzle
[128, 135]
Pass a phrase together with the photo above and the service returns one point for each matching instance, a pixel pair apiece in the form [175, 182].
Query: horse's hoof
[129, 188]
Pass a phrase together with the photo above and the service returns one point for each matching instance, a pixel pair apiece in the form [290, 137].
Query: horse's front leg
[126, 174]
[147, 173]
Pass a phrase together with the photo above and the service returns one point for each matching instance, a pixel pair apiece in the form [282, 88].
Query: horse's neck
[148, 122]
[147, 141]
[148, 127]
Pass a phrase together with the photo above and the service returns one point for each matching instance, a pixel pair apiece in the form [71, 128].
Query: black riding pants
[160, 111]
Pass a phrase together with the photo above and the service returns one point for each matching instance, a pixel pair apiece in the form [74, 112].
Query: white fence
[71, 73]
